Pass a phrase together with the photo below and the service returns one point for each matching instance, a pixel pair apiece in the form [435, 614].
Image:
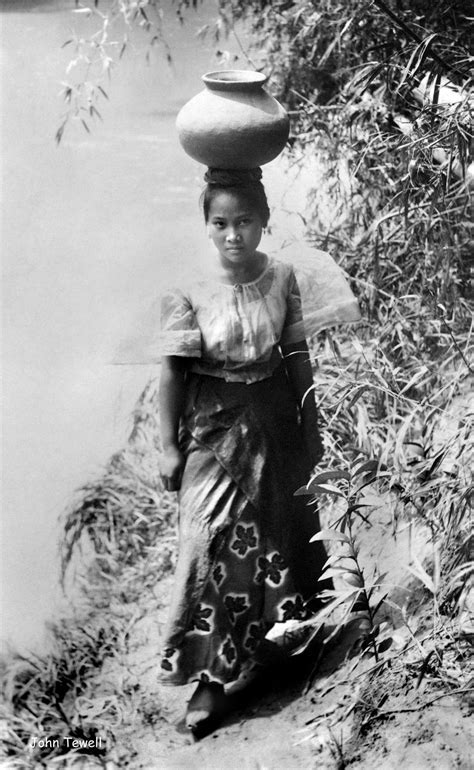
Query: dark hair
[243, 182]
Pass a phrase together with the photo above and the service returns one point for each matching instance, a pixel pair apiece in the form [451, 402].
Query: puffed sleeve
[325, 297]
[180, 334]
[293, 328]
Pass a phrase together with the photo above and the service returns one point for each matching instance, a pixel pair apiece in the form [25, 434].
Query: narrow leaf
[337, 572]
[302, 491]
[419, 572]
[359, 391]
[325, 489]
[330, 534]
[321, 478]
[416, 377]
[330, 573]
[370, 465]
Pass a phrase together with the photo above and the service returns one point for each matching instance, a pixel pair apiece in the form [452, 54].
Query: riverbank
[339, 702]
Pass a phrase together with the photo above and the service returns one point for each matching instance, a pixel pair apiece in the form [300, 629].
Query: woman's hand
[171, 468]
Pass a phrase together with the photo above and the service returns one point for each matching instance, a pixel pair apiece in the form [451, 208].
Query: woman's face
[235, 229]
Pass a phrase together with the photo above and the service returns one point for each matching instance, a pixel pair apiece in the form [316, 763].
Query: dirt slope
[298, 717]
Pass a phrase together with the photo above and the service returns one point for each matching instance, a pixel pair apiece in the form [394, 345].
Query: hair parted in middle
[242, 182]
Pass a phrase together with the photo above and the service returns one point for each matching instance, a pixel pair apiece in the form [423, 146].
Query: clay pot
[234, 122]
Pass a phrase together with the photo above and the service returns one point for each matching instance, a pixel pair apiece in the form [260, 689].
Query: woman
[239, 430]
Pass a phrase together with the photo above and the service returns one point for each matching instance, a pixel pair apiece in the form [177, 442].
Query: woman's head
[244, 184]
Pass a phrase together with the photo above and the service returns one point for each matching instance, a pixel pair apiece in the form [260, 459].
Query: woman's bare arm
[171, 400]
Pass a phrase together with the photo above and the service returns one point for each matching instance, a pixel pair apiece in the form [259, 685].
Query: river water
[89, 230]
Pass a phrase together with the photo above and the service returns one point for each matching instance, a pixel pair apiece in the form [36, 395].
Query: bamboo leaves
[96, 53]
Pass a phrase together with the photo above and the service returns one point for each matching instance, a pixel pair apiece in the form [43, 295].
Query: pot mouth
[234, 79]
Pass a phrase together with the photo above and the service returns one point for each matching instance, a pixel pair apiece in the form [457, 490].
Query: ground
[327, 707]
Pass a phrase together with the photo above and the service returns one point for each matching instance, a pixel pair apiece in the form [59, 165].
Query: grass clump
[51, 700]
[118, 543]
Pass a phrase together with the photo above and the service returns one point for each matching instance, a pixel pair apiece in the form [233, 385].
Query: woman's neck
[243, 273]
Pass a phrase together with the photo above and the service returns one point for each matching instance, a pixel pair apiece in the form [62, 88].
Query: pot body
[233, 123]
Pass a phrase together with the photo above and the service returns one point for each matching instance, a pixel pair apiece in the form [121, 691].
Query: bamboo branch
[413, 35]
[442, 157]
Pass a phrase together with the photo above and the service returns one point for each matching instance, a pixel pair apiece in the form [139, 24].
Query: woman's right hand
[171, 468]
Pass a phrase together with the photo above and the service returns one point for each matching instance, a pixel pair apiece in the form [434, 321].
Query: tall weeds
[118, 544]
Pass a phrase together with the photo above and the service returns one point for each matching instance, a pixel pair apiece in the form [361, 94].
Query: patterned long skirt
[245, 561]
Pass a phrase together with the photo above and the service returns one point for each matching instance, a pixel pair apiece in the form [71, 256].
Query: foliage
[368, 92]
[391, 431]
[359, 596]
[122, 521]
[108, 33]
[399, 441]
[53, 696]
[366, 88]
[324, 50]
[118, 544]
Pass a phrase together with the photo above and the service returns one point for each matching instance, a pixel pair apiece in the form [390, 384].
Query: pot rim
[234, 79]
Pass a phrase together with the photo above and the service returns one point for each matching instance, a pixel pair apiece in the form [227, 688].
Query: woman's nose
[233, 235]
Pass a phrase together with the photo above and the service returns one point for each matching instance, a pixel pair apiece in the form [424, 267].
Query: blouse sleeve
[293, 328]
[180, 334]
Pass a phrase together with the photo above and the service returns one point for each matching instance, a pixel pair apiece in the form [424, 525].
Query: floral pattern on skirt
[245, 561]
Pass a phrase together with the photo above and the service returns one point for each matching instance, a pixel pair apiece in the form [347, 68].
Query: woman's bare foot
[206, 707]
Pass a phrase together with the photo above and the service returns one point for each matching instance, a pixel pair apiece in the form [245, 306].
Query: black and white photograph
[237, 376]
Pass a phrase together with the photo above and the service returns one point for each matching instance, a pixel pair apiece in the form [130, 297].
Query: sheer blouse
[233, 332]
